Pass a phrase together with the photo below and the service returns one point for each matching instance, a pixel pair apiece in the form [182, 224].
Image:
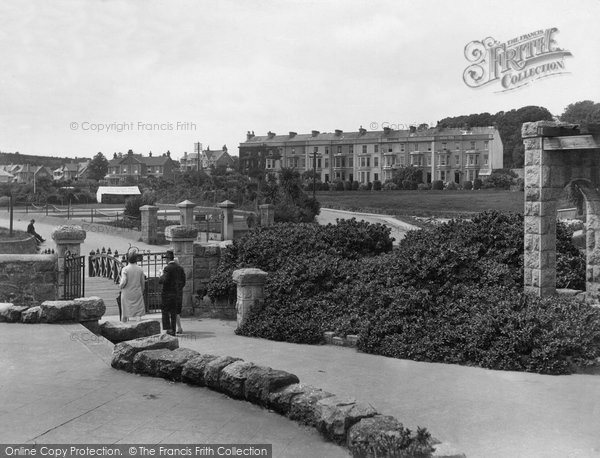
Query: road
[399, 228]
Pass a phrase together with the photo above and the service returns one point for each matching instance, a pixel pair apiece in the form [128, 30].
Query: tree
[98, 167]
[578, 112]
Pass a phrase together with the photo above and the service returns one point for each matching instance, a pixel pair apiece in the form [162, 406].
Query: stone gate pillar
[267, 214]
[68, 241]
[250, 291]
[182, 239]
[227, 206]
[539, 215]
[186, 210]
[149, 223]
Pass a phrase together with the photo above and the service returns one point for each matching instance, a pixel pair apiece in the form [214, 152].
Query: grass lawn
[17, 235]
[424, 203]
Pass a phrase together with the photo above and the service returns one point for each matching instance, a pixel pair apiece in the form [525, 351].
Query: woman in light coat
[132, 289]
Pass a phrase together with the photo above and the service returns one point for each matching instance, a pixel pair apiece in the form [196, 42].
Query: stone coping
[26, 257]
[342, 420]
[86, 310]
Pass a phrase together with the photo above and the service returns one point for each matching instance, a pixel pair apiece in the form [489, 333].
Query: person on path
[172, 279]
[132, 289]
[31, 230]
[179, 302]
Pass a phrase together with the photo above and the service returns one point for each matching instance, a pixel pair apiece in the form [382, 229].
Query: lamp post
[314, 173]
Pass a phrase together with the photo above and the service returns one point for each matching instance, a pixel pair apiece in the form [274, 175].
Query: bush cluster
[449, 293]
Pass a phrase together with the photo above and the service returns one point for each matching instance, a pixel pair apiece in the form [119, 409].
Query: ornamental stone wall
[558, 155]
[31, 276]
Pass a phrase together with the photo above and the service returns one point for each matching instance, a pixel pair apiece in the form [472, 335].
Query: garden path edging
[342, 420]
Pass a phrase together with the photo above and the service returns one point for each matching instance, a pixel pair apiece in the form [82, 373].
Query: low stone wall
[85, 310]
[345, 421]
[32, 276]
[18, 246]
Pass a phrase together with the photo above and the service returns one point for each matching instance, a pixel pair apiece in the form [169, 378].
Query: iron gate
[108, 265]
[74, 276]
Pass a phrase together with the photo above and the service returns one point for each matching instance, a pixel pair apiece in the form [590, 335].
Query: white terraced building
[446, 154]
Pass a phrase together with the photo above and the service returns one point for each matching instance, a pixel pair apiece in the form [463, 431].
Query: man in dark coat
[31, 230]
[173, 280]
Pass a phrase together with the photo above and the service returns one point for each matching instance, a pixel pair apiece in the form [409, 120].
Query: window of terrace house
[364, 149]
[376, 148]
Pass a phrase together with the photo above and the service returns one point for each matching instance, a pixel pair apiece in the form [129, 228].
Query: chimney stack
[270, 134]
[338, 132]
[413, 129]
[362, 131]
[249, 135]
[293, 134]
[315, 133]
[387, 130]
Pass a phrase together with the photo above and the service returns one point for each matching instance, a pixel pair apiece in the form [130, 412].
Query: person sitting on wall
[31, 230]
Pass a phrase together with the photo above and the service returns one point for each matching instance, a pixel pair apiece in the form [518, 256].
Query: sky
[83, 76]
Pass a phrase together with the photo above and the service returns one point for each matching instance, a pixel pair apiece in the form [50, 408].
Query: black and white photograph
[300, 228]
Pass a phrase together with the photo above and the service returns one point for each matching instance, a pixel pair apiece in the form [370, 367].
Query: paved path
[483, 413]
[399, 228]
[57, 389]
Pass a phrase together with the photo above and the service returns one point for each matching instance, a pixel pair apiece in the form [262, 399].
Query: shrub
[377, 185]
[347, 186]
[133, 204]
[500, 179]
[437, 185]
[468, 185]
[325, 186]
[339, 186]
[492, 327]
[390, 186]
[451, 186]
[477, 183]
[355, 185]
[409, 185]
[451, 293]
[424, 186]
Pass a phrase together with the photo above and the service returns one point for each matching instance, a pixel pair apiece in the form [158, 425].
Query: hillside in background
[48, 161]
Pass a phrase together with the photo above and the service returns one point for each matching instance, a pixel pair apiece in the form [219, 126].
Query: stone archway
[556, 155]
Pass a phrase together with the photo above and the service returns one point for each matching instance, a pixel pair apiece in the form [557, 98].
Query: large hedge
[451, 293]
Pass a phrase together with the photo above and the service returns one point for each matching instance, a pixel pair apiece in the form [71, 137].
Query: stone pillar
[149, 223]
[267, 215]
[182, 239]
[250, 291]
[68, 241]
[227, 232]
[539, 215]
[186, 210]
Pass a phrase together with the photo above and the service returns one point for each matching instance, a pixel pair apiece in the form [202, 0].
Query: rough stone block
[31, 315]
[335, 415]
[90, 308]
[303, 406]
[11, 313]
[57, 311]
[233, 378]
[280, 401]
[124, 352]
[120, 332]
[213, 369]
[193, 370]
[260, 385]
[93, 326]
[337, 341]
[374, 433]
[163, 363]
